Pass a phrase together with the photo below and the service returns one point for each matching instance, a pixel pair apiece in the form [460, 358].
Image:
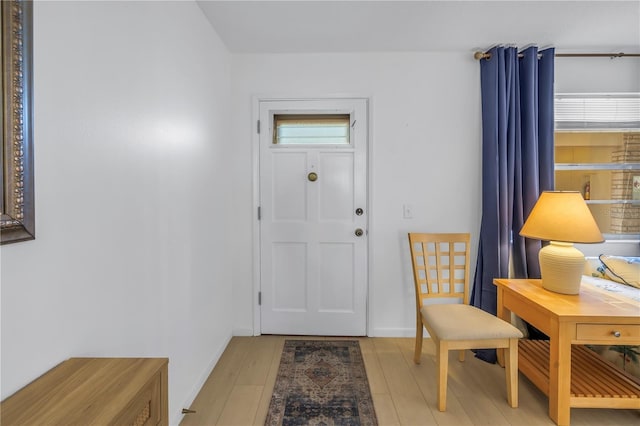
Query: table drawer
[145, 409]
[612, 333]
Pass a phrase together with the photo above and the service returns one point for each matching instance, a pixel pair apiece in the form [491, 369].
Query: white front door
[313, 232]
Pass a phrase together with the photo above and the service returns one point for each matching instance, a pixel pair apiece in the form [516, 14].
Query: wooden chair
[441, 275]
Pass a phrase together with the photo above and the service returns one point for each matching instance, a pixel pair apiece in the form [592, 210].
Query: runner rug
[321, 382]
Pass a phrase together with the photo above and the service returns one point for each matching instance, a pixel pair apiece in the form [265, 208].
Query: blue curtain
[517, 164]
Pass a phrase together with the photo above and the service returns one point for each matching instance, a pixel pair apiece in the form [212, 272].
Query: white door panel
[336, 272]
[289, 268]
[291, 193]
[313, 266]
[335, 189]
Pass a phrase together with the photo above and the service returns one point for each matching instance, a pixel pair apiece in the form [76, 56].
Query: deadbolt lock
[359, 211]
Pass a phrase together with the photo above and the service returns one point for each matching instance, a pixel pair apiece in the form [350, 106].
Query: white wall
[425, 151]
[597, 75]
[132, 201]
[424, 148]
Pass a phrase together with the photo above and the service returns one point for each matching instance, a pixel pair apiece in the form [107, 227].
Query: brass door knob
[312, 177]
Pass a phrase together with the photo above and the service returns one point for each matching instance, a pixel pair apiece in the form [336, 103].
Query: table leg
[505, 314]
[560, 373]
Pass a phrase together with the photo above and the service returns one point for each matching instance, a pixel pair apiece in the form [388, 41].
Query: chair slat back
[440, 266]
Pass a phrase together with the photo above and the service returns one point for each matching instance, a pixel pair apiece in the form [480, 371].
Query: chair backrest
[440, 266]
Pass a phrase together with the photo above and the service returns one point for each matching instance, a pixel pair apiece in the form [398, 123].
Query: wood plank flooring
[238, 391]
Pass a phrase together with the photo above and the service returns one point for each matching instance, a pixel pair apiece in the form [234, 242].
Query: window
[311, 129]
[597, 152]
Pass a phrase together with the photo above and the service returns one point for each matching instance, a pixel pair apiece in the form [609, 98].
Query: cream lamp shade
[562, 218]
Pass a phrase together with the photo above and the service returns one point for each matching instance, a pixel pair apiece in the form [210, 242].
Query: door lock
[359, 211]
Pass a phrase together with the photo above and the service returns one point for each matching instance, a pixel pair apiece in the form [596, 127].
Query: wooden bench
[93, 391]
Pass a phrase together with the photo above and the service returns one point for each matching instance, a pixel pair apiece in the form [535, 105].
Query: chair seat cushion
[465, 322]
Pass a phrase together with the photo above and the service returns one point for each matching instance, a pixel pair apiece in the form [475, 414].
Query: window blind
[597, 112]
[311, 129]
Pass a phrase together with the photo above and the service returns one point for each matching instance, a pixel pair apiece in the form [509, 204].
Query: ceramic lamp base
[561, 267]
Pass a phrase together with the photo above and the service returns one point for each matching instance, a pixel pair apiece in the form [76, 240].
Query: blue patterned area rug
[321, 382]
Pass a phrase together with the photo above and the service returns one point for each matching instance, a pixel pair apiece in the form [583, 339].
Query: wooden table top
[589, 303]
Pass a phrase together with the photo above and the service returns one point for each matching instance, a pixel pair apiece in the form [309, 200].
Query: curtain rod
[483, 55]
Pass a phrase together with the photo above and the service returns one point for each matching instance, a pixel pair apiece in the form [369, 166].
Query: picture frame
[17, 213]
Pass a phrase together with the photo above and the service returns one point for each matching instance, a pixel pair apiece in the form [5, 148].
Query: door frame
[255, 145]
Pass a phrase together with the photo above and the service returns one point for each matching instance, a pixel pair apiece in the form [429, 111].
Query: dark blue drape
[517, 164]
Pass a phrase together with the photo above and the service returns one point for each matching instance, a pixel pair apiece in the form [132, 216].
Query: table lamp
[562, 218]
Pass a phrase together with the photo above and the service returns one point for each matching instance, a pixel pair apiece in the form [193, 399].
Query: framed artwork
[17, 217]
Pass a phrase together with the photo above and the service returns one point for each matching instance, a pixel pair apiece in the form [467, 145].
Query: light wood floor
[238, 391]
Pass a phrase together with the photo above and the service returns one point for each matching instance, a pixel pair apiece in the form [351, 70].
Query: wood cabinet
[93, 391]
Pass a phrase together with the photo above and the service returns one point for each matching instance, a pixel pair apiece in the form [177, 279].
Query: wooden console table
[93, 391]
[573, 376]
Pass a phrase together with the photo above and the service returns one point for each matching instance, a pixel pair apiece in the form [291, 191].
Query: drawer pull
[616, 334]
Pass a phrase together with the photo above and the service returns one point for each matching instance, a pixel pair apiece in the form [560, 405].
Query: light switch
[407, 211]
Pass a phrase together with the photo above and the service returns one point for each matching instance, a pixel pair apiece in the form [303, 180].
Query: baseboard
[395, 332]
[243, 331]
[374, 332]
[203, 378]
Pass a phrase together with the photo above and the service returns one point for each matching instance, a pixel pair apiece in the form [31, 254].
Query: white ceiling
[404, 26]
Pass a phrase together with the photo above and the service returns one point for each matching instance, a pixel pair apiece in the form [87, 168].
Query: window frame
[624, 125]
[311, 117]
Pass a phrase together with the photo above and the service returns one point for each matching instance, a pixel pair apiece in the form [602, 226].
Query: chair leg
[443, 364]
[417, 354]
[500, 356]
[461, 355]
[511, 372]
